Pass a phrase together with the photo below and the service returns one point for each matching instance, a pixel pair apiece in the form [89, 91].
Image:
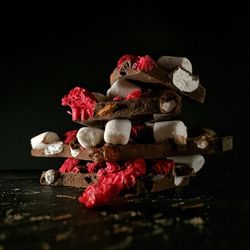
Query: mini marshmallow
[53, 148]
[178, 180]
[170, 130]
[42, 140]
[121, 88]
[167, 107]
[117, 131]
[195, 162]
[89, 137]
[171, 62]
[185, 81]
[75, 152]
[50, 176]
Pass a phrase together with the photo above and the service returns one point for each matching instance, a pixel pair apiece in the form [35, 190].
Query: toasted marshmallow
[121, 88]
[171, 62]
[117, 131]
[42, 140]
[89, 137]
[170, 130]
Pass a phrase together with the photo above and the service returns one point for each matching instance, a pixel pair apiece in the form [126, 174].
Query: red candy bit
[117, 98]
[163, 166]
[124, 58]
[70, 165]
[70, 136]
[111, 182]
[136, 131]
[144, 63]
[81, 102]
[94, 166]
[99, 194]
[112, 167]
[136, 93]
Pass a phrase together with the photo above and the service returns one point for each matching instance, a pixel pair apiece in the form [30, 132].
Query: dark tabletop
[209, 213]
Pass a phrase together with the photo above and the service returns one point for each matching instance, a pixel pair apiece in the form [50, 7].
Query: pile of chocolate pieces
[128, 141]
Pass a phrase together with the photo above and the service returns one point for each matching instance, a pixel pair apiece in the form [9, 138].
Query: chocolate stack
[129, 141]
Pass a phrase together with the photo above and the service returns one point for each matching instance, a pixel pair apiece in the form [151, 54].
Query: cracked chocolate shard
[177, 78]
[78, 180]
[197, 145]
[146, 184]
[167, 103]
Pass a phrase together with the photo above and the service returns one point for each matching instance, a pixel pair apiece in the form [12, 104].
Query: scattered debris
[122, 229]
[48, 217]
[63, 236]
[11, 216]
[164, 221]
[104, 213]
[45, 246]
[2, 236]
[185, 206]
[65, 196]
[123, 245]
[62, 217]
[40, 218]
[196, 221]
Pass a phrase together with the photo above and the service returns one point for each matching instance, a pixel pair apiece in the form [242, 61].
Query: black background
[42, 60]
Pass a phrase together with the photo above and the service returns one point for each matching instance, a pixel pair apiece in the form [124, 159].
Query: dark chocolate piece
[78, 180]
[110, 152]
[140, 109]
[88, 154]
[146, 184]
[163, 150]
[159, 76]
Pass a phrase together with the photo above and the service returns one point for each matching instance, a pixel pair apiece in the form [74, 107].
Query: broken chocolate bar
[139, 109]
[55, 178]
[109, 152]
[83, 180]
[178, 79]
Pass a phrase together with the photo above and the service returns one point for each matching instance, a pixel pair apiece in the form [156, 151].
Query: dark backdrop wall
[42, 62]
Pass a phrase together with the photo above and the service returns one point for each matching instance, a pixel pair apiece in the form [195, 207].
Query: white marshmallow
[170, 130]
[195, 162]
[89, 137]
[53, 148]
[50, 176]
[75, 152]
[185, 81]
[178, 180]
[121, 88]
[117, 131]
[42, 140]
[167, 107]
[171, 62]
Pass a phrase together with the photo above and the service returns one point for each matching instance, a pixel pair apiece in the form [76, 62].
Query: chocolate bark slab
[78, 180]
[163, 150]
[140, 109]
[88, 154]
[110, 152]
[146, 184]
[159, 76]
